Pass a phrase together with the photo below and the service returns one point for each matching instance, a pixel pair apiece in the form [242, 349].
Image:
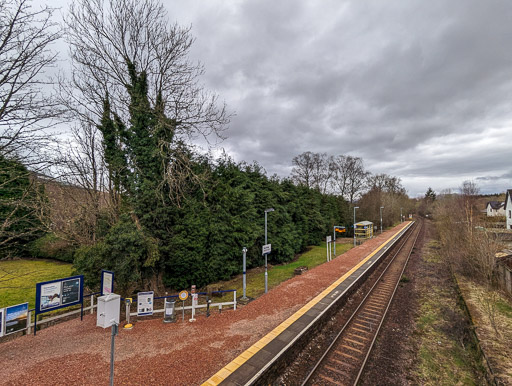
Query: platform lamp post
[401, 217]
[381, 219]
[355, 207]
[266, 273]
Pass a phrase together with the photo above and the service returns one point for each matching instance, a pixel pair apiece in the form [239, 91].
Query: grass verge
[446, 353]
[313, 257]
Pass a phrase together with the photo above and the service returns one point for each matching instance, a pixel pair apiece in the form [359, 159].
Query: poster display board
[16, 318]
[55, 294]
[107, 282]
[2, 322]
[145, 303]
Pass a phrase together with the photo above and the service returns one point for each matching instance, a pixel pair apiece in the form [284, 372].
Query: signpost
[183, 295]
[54, 294]
[107, 282]
[194, 303]
[145, 303]
[328, 246]
[266, 249]
[244, 251]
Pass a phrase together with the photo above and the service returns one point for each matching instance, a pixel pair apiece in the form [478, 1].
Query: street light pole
[381, 219]
[266, 273]
[355, 207]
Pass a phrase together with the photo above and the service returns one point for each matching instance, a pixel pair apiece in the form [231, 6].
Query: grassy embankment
[18, 279]
[446, 353]
[491, 312]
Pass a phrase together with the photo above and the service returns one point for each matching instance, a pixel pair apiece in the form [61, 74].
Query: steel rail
[388, 305]
[319, 363]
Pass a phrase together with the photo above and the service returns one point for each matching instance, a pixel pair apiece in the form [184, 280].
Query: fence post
[234, 300]
[28, 321]
[92, 304]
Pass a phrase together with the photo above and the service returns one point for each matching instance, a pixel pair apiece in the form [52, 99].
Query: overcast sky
[419, 89]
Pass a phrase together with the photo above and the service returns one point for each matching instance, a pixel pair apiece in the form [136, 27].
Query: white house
[508, 208]
[495, 208]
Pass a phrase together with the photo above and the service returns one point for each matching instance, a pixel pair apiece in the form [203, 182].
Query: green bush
[52, 247]
[126, 251]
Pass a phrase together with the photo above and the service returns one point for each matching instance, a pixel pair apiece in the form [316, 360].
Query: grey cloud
[408, 86]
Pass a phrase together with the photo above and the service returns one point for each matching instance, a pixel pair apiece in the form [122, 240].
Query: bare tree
[349, 177]
[26, 34]
[25, 38]
[107, 37]
[117, 42]
[313, 170]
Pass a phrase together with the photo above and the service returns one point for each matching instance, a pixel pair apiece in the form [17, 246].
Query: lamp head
[269, 210]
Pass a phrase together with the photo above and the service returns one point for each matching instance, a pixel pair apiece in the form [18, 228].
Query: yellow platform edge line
[217, 378]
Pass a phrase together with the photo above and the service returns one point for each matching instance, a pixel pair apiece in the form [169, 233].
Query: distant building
[508, 208]
[495, 208]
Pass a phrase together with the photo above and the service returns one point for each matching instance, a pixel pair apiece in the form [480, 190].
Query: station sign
[183, 295]
[267, 248]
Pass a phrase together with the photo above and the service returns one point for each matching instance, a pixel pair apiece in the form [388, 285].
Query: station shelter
[364, 230]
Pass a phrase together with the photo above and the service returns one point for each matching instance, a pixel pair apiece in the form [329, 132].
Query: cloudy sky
[418, 89]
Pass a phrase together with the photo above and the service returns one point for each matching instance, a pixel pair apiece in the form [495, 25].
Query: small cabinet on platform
[109, 307]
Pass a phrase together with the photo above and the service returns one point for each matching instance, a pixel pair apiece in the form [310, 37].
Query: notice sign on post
[16, 318]
[267, 248]
[145, 303]
[60, 293]
[328, 239]
[107, 282]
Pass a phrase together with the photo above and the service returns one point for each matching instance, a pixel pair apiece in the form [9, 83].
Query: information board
[2, 310]
[54, 294]
[107, 282]
[266, 249]
[16, 318]
[145, 303]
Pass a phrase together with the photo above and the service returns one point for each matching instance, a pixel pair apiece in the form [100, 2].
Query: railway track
[344, 360]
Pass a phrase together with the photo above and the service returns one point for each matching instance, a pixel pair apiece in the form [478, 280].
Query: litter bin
[169, 314]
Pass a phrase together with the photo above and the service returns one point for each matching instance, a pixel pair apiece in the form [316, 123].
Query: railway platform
[253, 363]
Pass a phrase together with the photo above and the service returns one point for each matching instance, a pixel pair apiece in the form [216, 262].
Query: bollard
[128, 325]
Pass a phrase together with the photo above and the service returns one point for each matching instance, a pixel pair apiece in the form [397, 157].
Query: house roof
[496, 204]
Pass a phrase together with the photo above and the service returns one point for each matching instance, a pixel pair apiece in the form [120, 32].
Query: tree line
[346, 176]
[128, 190]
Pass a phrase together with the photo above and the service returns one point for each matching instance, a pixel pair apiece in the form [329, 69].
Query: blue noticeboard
[55, 294]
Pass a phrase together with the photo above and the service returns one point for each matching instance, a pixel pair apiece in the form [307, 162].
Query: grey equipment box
[109, 308]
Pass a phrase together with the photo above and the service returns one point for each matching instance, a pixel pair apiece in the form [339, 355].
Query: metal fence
[185, 306]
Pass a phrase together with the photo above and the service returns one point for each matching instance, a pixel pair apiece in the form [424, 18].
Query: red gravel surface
[182, 353]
